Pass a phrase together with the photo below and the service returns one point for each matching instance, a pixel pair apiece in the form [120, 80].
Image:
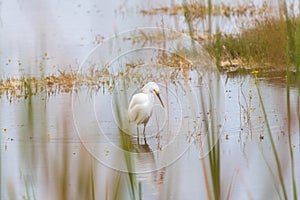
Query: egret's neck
[150, 96]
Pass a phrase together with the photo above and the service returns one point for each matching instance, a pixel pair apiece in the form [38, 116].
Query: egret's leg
[144, 133]
[138, 134]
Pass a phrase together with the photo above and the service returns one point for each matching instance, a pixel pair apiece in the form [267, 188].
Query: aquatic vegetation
[262, 46]
[68, 171]
[274, 149]
[201, 10]
[68, 82]
[19, 88]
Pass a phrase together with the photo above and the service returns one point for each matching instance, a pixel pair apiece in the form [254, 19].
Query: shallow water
[65, 145]
[41, 149]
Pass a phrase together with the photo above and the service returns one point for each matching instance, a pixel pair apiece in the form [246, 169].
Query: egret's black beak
[157, 94]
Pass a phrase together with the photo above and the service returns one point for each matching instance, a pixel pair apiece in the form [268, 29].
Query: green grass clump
[264, 44]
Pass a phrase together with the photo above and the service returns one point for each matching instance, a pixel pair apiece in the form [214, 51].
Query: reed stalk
[188, 19]
[126, 146]
[292, 57]
[297, 64]
[273, 147]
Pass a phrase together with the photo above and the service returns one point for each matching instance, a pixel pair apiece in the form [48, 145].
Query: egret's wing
[136, 101]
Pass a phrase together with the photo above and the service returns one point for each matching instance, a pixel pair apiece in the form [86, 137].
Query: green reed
[213, 134]
[213, 144]
[209, 5]
[211, 174]
[297, 63]
[27, 155]
[28, 186]
[292, 57]
[59, 171]
[1, 128]
[273, 146]
[188, 19]
[126, 146]
[218, 49]
[92, 181]
[214, 158]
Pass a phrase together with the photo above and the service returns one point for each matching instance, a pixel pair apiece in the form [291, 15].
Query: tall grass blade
[218, 49]
[213, 148]
[188, 19]
[292, 56]
[273, 175]
[92, 180]
[279, 170]
[297, 64]
[1, 160]
[127, 147]
[209, 17]
[230, 187]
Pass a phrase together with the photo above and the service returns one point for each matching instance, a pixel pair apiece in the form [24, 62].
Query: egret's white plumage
[141, 104]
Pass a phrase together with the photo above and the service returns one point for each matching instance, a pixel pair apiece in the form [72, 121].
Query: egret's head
[152, 87]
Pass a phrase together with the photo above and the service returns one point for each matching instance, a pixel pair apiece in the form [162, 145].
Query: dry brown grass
[16, 88]
[200, 10]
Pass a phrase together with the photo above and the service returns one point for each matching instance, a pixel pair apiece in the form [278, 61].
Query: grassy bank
[262, 46]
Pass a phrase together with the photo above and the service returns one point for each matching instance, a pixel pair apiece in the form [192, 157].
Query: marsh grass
[291, 58]
[218, 49]
[252, 47]
[27, 156]
[64, 177]
[187, 16]
[261, 46]
[28, 186]
[270, 44]
[202, 9]
[63, 82]
[211, 165]
[126, 144]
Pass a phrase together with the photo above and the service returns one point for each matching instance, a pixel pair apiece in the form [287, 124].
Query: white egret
[141, 105]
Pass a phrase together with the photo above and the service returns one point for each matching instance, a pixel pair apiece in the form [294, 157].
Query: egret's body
[141, 105]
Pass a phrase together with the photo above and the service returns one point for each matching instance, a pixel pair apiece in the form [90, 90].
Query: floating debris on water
[261, 137]
[226, 137]
[158, 37]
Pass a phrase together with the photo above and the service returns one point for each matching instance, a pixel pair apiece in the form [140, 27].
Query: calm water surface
[41, 149]
[65, 145]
